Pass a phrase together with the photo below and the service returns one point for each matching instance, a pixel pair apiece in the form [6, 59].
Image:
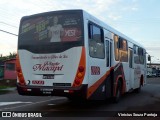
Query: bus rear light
[21, 80]
[66, 91]
[25, 89]
[81, 69]
[29, 90]
[71, 91]
[77, 81]
[20, 75]
[19, 72]
[18, 69]
[79, 75]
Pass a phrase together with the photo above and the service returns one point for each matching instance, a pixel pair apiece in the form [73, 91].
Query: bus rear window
[51, 28]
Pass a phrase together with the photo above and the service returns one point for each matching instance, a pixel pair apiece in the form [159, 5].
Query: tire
[138, 90]
[118, 93]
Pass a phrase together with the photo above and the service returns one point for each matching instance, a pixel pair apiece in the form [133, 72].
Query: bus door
[108, 53]
[98, 65]
[137, 67]
[131, 69]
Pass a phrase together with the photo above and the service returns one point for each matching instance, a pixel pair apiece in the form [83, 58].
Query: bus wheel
[138, 90]
[118, 93]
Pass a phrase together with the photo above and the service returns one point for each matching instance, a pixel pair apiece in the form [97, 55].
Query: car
[154, 75]
[149, 74]
[158, 74]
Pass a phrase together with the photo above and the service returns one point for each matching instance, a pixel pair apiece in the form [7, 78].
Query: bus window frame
[100, 42]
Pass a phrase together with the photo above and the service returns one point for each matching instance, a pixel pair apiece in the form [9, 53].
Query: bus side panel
[104, 90]
[106, 86]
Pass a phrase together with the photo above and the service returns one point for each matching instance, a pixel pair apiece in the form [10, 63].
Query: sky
[137, 19]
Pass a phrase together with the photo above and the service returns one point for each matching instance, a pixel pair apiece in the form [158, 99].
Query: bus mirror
[149, 58]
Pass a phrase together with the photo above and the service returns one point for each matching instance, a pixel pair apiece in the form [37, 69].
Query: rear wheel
[138, 90]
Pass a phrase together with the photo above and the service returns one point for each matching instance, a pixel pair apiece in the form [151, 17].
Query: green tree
[10, 56]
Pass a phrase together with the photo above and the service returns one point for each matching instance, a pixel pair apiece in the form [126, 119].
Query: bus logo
[38, 82]
[48, 66]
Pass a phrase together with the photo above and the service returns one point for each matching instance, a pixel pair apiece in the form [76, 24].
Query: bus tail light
[71, 91]
[79, 76]
[77, 81]
[19, 71]
[80, 70]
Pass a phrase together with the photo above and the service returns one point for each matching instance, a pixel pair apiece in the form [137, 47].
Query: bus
[73, 54]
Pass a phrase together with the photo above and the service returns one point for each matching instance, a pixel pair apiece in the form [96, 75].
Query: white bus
[71, 53]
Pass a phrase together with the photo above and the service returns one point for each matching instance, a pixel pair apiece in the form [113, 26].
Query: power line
[8, 32]
[8, 24]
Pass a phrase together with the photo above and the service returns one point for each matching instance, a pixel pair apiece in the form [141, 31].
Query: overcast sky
[138, 19]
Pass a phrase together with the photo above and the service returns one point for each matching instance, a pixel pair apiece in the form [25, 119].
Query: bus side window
[121, 49]
[136, 58]
[116, 50]
[134, 48]
[96, 41]
[139, 57]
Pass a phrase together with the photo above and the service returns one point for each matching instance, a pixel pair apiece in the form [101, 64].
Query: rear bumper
[80, 91]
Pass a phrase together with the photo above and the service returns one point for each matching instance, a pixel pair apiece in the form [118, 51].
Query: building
[10, 69]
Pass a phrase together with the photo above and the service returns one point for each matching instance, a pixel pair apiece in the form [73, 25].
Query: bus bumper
[80, 91]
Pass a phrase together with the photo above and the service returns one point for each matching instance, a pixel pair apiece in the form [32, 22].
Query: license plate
[48, 76]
